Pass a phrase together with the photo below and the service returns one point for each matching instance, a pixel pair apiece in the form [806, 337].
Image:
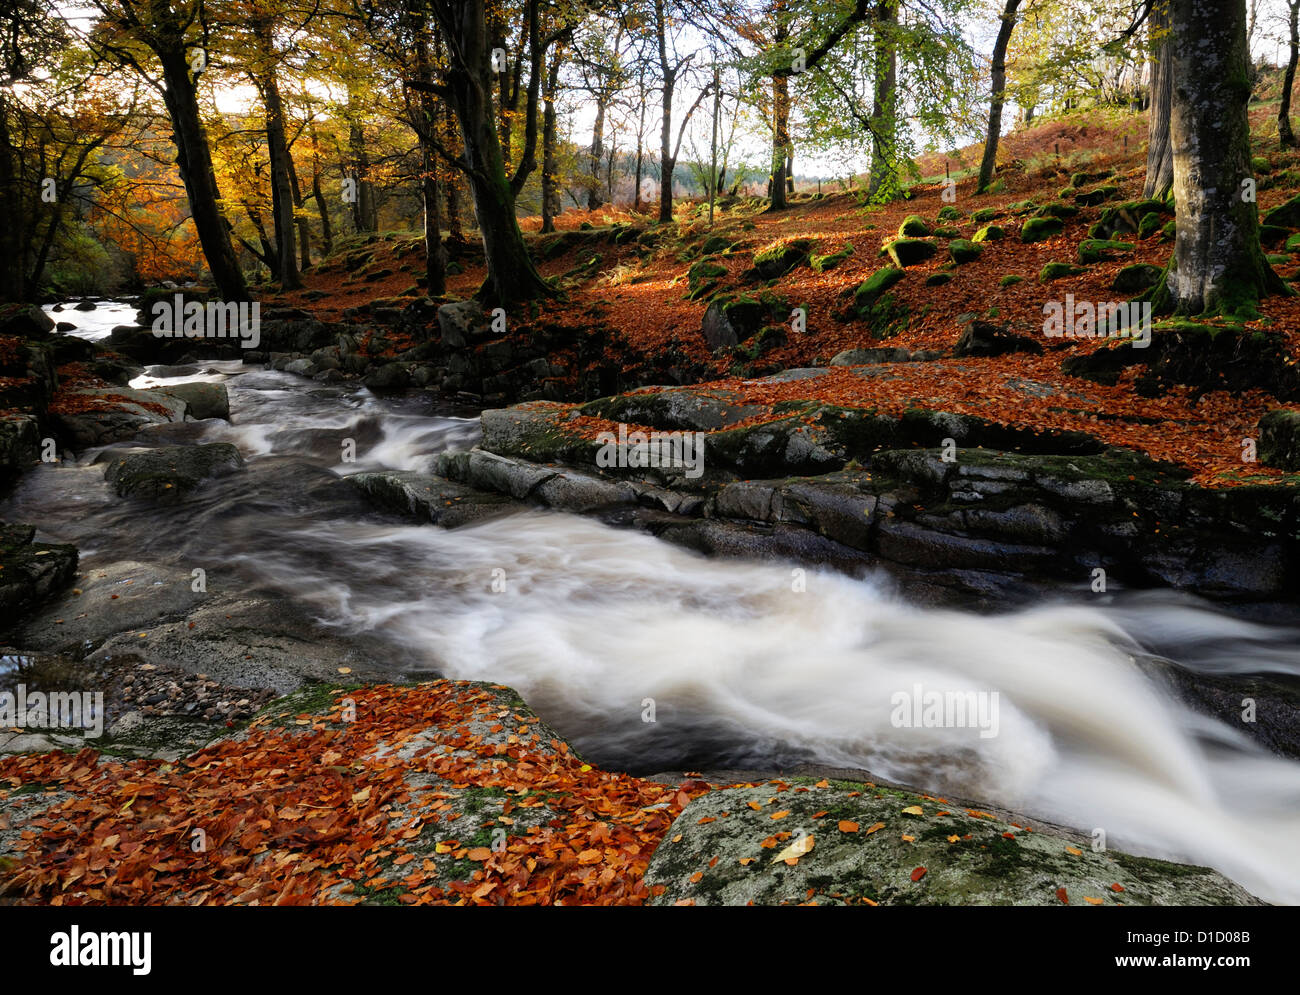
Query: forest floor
[640, 295]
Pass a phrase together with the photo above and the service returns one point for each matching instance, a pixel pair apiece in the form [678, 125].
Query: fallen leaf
[795, 850]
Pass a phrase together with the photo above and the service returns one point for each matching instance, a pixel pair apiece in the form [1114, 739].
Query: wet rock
[26, 321]
[30, 572]
[202, 399]
[96, 417]
[982, 338]
[166, 475]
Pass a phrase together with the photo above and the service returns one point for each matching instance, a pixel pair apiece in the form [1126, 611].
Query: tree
[884, 106]
[1285, 134]
[467, 87]
[999, 80]
[1218, 266]
[671, 70]
[175, 32]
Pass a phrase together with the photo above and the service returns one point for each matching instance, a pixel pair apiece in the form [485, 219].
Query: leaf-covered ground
[438, 793]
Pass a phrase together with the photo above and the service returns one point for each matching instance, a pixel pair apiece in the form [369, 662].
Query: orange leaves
[305, 814]
[874, 827]
[848, 827]
[1062, 897]
[918, 874]
[779, 815]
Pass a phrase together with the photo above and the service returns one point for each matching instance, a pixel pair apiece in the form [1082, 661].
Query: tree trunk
[511, 275]
[1160, 152]
[780, 140]
[594, 199]
[326, 232]
[998, 98]
[194, 160]
[551, 205]
[1284, 132]
[304, 229]
[882, 112]
[435, 256]
[278, 150]
[12, 284]
[1217, 265]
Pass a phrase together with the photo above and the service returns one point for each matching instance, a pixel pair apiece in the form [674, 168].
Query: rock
[963, 251]
[716, 329]
[982, 338]
[1057, 209]
[429, 498]
[874, 286]
[777, 260]
[202, 399]
[989, 233]
[914, 226]
[966, 857]
[1136, 278]
[26, 321]
[1056, 270]
[1286, 215]
[84, 306]
[1279, 439]
[390, 376]
[96, 417]
[30, 572]
[19, 445]
[1097, 196]
[461, 323]
[1038, 229]
[938, 279]
[65, 326]
[1094, 250]
[909, 251]
[867, 357]
[166, 475]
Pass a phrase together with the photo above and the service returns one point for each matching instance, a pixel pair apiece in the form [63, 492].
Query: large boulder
[982, 338]
[19, 441]
[27, 321]
[95, 416]
[462, 323]
[166, 475]
[842, 843]
[202, 399]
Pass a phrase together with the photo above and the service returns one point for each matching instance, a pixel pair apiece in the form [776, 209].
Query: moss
[1093, 250]
[874, 286]
[989, 233]
[984, 215]
[1057, 270]
[1057, 209]
[821, 264]
[914, 226]
[963, 251]
[908, 251]
[1038, 229]
[1010, 280]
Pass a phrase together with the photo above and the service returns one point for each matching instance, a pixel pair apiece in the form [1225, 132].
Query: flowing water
[601, 628]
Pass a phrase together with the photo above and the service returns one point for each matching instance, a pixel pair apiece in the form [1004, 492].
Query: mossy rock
[914, 226]
[1276, 259]
[1285, 215]
[1057, 209]
[1169, 232]
[1056, 270]
[1095, 250]
[777, 260]
[1293, 243]
[1149, 225]
[821, 264]
[1083, 178]
[875, 285]
[949, 213]
[1137, 278]
[1216, 357]
[947, 233]
[705, 269]
[909, 251]
[1279, 439]
[963, 251]
[938, 279]
[1022, 207]
[1260, 164]
[715, 244]
[984, 215]
[1010, 280]
[1039, 229]
[1097, 196]
[1273, 235]
[989, 233]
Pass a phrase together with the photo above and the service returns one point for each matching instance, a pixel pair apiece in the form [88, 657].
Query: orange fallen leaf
[918, 874]
[848, 827]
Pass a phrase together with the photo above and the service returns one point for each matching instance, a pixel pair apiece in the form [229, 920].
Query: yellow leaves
[791, 854]
[756, 806]
[362, 796]
[345, 670]
[874, 827]
[1074, 850]
[1093, 901]
[954, 839]
[746, 861]
[779, 815]
[908, 839]
[913, 810]
[444, 847]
